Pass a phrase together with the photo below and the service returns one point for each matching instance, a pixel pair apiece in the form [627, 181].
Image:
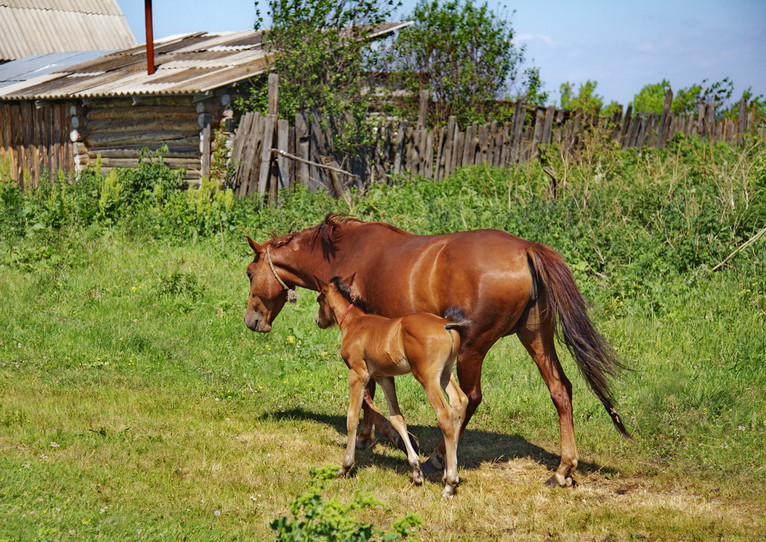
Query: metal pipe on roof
[149, 37]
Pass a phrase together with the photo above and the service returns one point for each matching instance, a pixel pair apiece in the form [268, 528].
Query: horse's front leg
[356, 385]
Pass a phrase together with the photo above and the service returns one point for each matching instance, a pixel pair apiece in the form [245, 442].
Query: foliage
[533, 89]
[585, 99]
[464, 74]
[315, 519]
[322, 51]
[651, 98]
[686, 101]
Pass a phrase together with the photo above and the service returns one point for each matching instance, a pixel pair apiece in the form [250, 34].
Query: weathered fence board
[269, 156]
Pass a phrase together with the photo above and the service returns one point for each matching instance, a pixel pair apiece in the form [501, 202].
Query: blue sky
[621, 45]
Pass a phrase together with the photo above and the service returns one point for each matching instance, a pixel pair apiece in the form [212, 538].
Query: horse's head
[267, 296]
[325, 316]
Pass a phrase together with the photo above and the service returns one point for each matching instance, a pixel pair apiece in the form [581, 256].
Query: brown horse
[505, 284]
[379, 348]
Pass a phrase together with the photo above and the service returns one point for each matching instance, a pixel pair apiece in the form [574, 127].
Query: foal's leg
[397, 421]
[469, 365]
[458, 402]
[537, 338]
[450, 429]
[356, 384]
[372, 419]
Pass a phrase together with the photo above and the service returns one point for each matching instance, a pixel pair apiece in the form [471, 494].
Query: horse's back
[484, 271]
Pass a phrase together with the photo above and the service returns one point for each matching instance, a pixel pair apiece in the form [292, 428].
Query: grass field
[135, 404]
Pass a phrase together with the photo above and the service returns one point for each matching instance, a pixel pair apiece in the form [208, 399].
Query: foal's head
[334, 298]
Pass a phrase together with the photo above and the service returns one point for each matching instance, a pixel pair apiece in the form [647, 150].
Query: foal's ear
[255, 246]
[348, 281]
[319, 284]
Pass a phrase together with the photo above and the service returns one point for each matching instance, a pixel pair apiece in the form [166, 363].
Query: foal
[379, 348]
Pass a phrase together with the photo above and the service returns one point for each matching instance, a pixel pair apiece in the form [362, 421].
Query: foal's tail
[559, 294]
[456, 317]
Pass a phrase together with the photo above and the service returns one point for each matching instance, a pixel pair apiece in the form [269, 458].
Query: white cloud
[526, 38]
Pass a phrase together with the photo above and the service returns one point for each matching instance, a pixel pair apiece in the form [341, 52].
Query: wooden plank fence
[35, 139]
[270, 155]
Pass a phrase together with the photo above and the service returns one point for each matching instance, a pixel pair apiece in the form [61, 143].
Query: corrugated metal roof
[186, 64]
[21, 70]
[30, 27]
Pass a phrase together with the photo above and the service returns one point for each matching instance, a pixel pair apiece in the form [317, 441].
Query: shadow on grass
[476, 446]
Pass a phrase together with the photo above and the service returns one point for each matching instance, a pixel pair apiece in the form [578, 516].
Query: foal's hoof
[433, 465]
[400, 443]
[559, 480]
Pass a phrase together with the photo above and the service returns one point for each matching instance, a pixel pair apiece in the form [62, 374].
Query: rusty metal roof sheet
[185, 64]
[30, 27]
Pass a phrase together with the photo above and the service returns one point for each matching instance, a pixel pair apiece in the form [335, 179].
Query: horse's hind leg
[537, 337]
[397, 421]
[372, 419]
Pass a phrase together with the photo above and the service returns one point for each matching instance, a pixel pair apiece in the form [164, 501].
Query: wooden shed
[111, 108]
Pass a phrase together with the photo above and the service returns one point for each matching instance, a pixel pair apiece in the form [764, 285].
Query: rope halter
[292, 295]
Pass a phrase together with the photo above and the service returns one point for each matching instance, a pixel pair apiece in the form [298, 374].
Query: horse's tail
[558, 293]
[456, 317]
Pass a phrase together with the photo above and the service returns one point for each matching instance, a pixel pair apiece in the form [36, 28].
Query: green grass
[135, 404]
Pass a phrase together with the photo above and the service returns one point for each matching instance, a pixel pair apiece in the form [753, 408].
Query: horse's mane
[329, 231]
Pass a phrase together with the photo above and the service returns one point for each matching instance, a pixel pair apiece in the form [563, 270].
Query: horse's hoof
[417, 476]
[448, 491]
[558, 480]
[413, 440]
[363, 443]
[432, 465]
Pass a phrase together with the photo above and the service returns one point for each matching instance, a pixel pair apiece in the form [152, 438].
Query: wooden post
[265, 162]
[625, 130]
[205, 140]
[273, 94]
[519, 114]
[283, 173]
[302, 139]
[662, 137]
[423, 108]
[742, 128]
[398, 157]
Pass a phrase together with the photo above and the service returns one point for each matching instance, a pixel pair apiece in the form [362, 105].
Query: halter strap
[348, 309]
[292, 296]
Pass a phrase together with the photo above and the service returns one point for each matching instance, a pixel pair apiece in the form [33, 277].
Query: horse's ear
[255, 246]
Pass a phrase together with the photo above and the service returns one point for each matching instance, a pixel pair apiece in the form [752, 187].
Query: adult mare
[504, 284]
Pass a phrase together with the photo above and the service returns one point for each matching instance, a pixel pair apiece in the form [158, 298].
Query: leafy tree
[651, 98]
[533, 91]
[585, 99]
[322, 51]
[460, 51]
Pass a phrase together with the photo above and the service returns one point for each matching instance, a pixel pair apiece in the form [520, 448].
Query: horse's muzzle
[257, 324]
